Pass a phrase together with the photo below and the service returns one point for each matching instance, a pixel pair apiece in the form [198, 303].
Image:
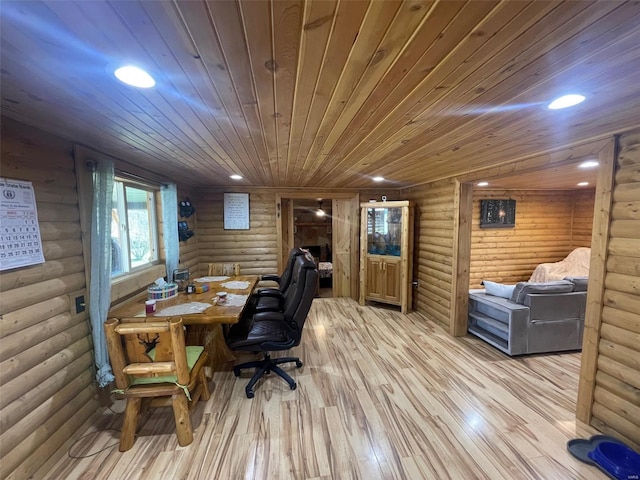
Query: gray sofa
[537, 318]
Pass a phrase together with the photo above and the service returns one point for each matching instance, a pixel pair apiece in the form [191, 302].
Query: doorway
[339, 232]
[545, 191]
[313, 231]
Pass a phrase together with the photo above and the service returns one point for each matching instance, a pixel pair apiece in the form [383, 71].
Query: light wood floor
[381, 396]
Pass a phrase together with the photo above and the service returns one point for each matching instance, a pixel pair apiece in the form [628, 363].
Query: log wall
[549, 225]
[46, 362]
[435, 215]
[615, 393]
[46, 372]
[254, 249]
[582, 218]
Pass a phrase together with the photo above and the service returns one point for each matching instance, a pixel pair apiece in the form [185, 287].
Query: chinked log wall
[46, 350]
[549, 225]
[435, 209]
[610, 386]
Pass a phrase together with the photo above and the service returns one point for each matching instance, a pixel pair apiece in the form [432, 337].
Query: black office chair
[272, 299]
[274, 331]
[284, 278]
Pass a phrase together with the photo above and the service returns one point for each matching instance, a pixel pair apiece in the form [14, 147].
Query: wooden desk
[203, 328]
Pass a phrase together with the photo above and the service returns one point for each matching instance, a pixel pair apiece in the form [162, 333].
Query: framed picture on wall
[497, 213]
[236, 211]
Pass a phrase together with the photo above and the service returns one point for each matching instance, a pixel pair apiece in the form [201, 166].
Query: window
[134, 239]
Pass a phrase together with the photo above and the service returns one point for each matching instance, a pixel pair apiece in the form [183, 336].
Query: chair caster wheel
[250, 393]
[298, 363]
[294, 386]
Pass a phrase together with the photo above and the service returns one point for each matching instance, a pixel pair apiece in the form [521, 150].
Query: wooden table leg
[212, 338]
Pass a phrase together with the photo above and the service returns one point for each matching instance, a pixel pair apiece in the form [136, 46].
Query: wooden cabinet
[383, 279]
[386, 244]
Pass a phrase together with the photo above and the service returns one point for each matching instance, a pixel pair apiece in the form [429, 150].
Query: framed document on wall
[236, 211]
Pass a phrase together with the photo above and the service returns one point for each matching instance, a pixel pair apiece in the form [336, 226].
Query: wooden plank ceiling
[323, 93]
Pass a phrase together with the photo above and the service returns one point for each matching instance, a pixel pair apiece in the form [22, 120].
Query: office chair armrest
[262, 316]
[270, 292]
[271, 276]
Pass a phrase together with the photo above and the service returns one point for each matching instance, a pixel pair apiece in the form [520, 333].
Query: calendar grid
[20, 242]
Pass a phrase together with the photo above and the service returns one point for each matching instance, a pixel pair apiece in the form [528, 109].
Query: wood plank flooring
[381, 396]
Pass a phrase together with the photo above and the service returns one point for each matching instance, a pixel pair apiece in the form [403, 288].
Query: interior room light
[378, 179]
[589, 164]
[566, 101]
[583, 184]
[134, 76]
[235, 176]
[483, 184]
[320, 211]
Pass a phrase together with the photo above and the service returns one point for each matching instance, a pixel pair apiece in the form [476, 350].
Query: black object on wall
[184, 233]
[497, 213]
[186, 209]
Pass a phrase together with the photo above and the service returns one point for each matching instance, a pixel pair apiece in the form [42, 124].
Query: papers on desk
[183, 309]
[210, 279]
[233, 300]
[236, 285]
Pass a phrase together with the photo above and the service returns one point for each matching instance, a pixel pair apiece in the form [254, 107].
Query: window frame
[121, 182]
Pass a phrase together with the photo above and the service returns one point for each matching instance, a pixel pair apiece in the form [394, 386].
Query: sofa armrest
[499, 321]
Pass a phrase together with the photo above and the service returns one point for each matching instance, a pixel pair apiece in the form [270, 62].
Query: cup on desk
[221, 298]
[150, 306]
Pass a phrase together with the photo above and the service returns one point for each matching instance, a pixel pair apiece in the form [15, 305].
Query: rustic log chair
[227, 269]
[151, 362]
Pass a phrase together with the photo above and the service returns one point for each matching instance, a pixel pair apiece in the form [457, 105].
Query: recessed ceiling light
[235, 176]
[583, 184]
[589, 164]
[566, 101]
[378, 179]
[483, 184]
[134, 76]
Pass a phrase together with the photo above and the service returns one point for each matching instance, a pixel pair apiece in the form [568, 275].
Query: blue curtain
[100, 288]
[169, 199]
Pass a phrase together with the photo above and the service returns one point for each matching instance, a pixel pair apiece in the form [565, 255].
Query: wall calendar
[20, 243]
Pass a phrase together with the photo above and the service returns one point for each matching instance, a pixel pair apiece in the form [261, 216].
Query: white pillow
[498, 289]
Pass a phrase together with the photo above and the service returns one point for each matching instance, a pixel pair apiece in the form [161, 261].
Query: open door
[345, 247]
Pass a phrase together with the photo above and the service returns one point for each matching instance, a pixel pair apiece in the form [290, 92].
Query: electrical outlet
[80, 304]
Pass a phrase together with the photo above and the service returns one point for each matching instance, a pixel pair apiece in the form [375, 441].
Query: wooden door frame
[597, 272]
[297, 195]
[463, 211]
